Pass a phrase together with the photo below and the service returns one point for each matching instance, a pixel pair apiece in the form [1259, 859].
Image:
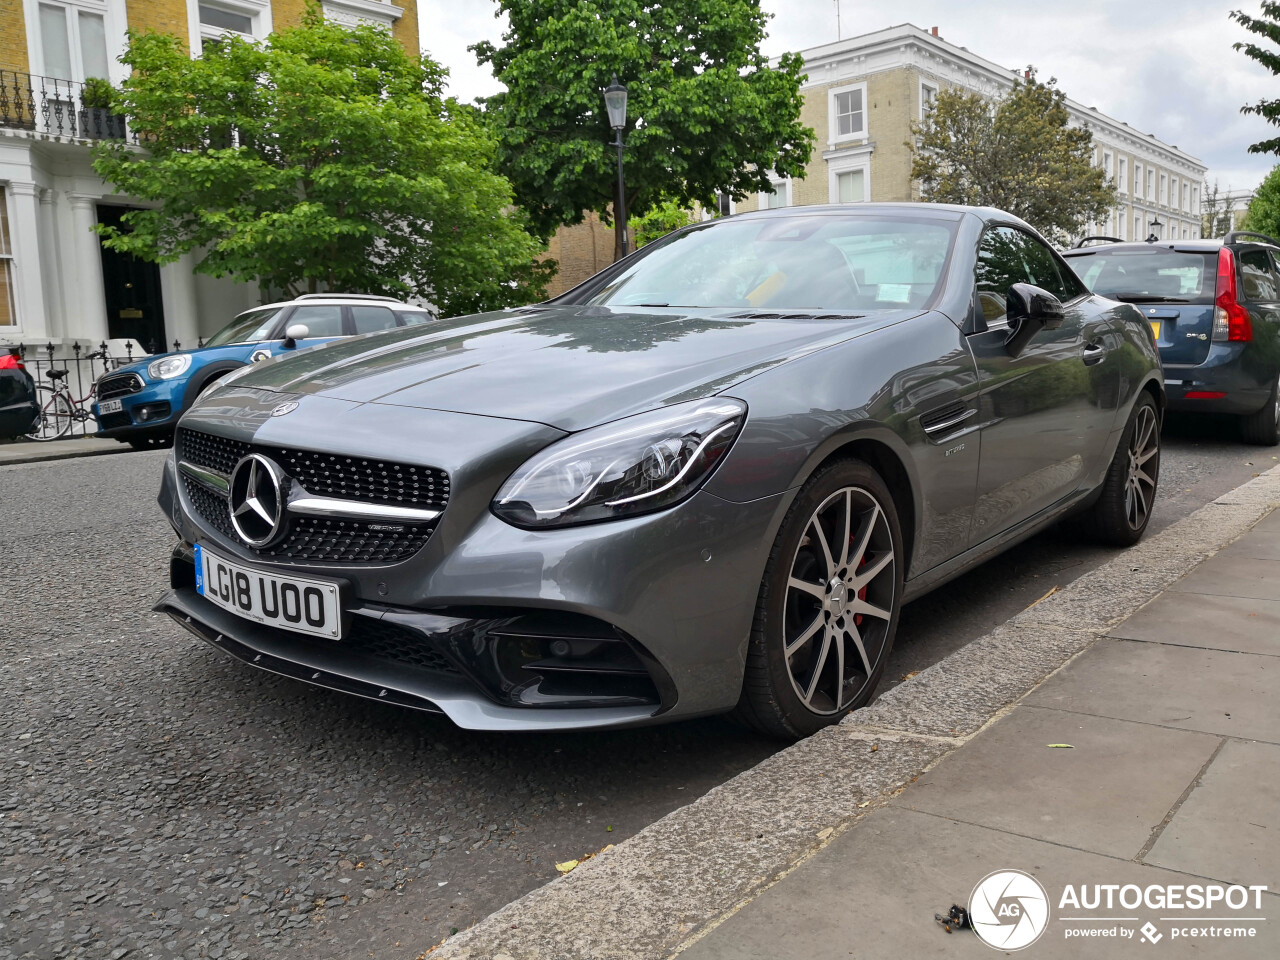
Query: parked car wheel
[1120, 514]
[56, 415]
[828, 605]
[1263, 427]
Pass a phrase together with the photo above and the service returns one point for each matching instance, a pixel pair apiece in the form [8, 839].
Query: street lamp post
[615, 101]
[1155, 225]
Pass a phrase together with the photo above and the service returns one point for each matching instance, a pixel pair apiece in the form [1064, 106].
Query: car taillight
[1230, 319]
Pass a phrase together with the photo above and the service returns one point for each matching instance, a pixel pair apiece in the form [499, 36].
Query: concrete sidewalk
[1172, 777]
[25, 451]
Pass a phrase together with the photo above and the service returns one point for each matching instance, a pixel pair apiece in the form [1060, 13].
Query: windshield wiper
[1144, 298]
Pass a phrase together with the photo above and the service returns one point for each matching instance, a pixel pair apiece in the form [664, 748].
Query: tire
[1263, 428]
[1120, 514]
[836, 621]
[56, 415]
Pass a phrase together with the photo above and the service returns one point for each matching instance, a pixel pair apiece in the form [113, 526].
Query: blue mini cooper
[140, 404]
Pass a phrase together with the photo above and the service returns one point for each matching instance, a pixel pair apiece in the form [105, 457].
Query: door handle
[1093, 353]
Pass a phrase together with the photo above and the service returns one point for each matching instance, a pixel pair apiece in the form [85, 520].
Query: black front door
[134, 308]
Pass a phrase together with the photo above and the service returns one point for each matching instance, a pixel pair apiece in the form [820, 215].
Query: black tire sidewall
[794, 716]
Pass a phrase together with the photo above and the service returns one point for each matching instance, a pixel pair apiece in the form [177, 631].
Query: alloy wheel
[1140, 484]
[840, 601]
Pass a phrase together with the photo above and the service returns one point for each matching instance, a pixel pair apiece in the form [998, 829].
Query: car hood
[567, 366]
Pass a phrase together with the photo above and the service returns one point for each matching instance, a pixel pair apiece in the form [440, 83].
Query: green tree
[1264, 210]
[705, 111]
[1266, 26]
[322, 158]
[1216, 211]
[659, 220]
[1017, 153]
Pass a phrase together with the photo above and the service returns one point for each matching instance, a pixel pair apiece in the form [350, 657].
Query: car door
[1045, 415]
[323, 322]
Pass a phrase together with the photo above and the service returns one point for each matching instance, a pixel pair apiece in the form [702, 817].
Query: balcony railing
[56, 107]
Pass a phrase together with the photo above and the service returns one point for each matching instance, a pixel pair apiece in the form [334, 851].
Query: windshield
[246, 328]
[792, 263]
[1155, 275]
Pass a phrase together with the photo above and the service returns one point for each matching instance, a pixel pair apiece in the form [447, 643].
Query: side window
[1000, 265]
[1257, 280]
[1043, 268]
[371, 319]
[320, 321]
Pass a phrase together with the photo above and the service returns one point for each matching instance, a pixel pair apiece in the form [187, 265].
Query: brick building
[57, 283]
[863, 93]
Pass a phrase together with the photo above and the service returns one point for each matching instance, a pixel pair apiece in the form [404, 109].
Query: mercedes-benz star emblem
[257, 500]
[287, 407]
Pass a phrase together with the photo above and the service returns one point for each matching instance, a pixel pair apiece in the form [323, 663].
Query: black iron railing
[56, 107]
[79, 368]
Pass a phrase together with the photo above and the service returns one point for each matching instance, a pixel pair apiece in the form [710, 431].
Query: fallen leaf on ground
[1060, 746]
[567, 865]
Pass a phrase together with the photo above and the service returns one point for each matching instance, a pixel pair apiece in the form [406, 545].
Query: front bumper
[678, 588]
[151, 412]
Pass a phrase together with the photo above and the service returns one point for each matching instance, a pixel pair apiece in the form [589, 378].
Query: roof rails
[1084, 240]
[346, 296]
[1236, 234]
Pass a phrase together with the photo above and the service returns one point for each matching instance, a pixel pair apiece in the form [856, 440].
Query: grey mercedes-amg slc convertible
[705, 480]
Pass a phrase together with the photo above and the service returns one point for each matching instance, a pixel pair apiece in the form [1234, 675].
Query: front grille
[324, 539]
[207, 450]
[120, 385]
[110, 421]
[380, 640]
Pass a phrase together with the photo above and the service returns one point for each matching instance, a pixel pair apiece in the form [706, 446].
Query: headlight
[166, 368]
[632, 466]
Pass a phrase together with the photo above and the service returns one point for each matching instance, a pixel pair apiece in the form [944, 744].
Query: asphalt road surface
[158, 799]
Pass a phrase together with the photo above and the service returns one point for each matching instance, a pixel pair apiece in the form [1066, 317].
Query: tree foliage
[1264, 209]
[1216, 211]
[1017, 153]
[705, 112]
[660, 219]
[1267, 27]
[322, 158]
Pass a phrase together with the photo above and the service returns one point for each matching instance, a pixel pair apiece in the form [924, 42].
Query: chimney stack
[934, 31]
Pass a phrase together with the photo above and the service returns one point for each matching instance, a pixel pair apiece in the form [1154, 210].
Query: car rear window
[1156, 274]
[826, 263]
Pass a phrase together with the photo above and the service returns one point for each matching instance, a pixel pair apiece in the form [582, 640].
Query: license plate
[1155, 329]
[111, 406]
[305, 606]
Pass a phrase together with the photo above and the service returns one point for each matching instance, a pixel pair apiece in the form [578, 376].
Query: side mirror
[293, 333]
[1030, 309]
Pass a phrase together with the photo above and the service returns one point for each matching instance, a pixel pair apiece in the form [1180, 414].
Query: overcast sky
[1166, 68]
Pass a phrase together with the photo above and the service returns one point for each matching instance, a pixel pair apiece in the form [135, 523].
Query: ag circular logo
[1009, 909]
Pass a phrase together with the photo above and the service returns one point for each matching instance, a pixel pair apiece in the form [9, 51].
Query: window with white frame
[1122, 174]
[1137, 227]
[1186, 196]
[1164, 189]
[1137, 180]
[250, 19]
[928, 93]
[1150, 183]
[847, 109]
[781, 196]
[1173, 193]
[8, 307]
[1106, 163]
[850, 186]
[73, 40]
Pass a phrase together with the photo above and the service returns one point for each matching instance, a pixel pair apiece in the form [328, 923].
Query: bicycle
[59, 408]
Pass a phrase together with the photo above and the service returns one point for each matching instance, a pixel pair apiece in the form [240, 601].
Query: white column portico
[24, 219]
[92, 321]
[51, 266]
[181, 312]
